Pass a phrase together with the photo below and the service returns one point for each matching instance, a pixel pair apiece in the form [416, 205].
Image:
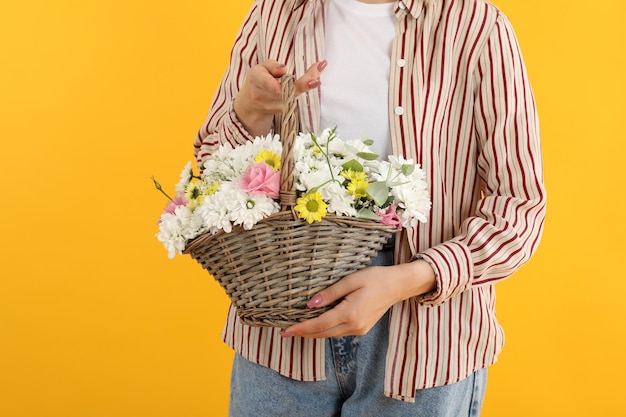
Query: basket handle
[288, 130]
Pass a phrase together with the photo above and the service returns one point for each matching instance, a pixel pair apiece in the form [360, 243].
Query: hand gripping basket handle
[288, 130]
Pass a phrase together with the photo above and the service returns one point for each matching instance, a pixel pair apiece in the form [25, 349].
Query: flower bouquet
[277, 219]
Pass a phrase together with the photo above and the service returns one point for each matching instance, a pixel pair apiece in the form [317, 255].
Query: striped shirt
[460, 104]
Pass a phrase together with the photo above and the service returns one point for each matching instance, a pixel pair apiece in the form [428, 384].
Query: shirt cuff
[452, 264]
[233, 131]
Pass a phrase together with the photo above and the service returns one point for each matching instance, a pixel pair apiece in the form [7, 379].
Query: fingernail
[281, 65]
[285, 333]
[314, 302]
[322, 65]
[313, 83]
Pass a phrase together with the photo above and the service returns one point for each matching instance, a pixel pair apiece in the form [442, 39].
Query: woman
[441, 82]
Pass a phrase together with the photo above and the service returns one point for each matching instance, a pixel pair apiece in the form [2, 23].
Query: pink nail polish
[314, 302]
[313, 83]
[284, 333]
[322, 65]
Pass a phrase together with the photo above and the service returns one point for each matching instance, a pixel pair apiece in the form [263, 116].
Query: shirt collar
[414, 7]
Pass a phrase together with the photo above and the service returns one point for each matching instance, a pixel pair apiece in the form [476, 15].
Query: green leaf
[379, 192]
[354, 165]
[368, 156]
[366, 214]
[368, 142]
[407, 169]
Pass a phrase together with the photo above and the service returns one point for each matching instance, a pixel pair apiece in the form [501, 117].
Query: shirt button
[401, 62]
[399, 111]
[402, 5]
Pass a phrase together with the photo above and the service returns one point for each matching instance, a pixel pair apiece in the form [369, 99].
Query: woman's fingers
[266, 77]
[260, 96]
[311, 79]
[261, 90]
[365, 296]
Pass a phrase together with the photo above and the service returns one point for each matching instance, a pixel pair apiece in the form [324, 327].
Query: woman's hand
[367, 294]
[260, 96]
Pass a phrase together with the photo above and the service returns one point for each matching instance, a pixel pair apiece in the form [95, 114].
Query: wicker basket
[272, 270]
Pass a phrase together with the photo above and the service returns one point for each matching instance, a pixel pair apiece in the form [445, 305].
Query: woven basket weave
[272, 270]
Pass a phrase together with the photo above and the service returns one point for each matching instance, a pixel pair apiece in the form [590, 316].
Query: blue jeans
[355, 369]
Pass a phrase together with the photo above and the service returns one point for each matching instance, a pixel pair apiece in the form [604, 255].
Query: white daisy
[185, 177]
[248, 209]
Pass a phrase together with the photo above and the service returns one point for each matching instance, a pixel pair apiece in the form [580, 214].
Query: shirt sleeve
[221, 124]
[507, 225]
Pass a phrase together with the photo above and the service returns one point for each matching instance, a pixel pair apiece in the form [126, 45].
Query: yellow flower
[357, 188]
[212, 188]
[269, 157]
[196, 191]
[193, 191]
[311, 207]
[316, 150]
[351, 175]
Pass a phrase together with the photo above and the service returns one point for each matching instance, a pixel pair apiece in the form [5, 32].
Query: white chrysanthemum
[299, 149]
[269, 142]
[411, 213]
[418, 175]
[413, 202]
[308, 144]
[175, 229]
[228, 163]
[305, 148]
[215, 213]
[185, 177]
[170, 235]
[349, 149]
[393, 175]
[331, 144]
[216, 170]
[219, 167]
[405, 188]
[305, 140]
[243, 155]
[374, 168]
[223, 151]
[313, 172]
[339, 200]
[398, 160]
[410, 191]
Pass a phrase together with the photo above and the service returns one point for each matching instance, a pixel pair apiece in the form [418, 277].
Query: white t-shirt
[355, 84]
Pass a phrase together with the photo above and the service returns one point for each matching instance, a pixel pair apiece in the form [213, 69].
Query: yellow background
[96, 96]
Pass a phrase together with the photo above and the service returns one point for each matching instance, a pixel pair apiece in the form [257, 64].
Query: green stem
[158, 187]
[314, 189]
[330, 137]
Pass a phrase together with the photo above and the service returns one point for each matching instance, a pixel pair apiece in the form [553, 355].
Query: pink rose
[261, 179]
[177, 201]
[389, 217]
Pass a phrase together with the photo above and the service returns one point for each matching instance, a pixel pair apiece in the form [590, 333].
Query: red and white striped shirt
[460, 104]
